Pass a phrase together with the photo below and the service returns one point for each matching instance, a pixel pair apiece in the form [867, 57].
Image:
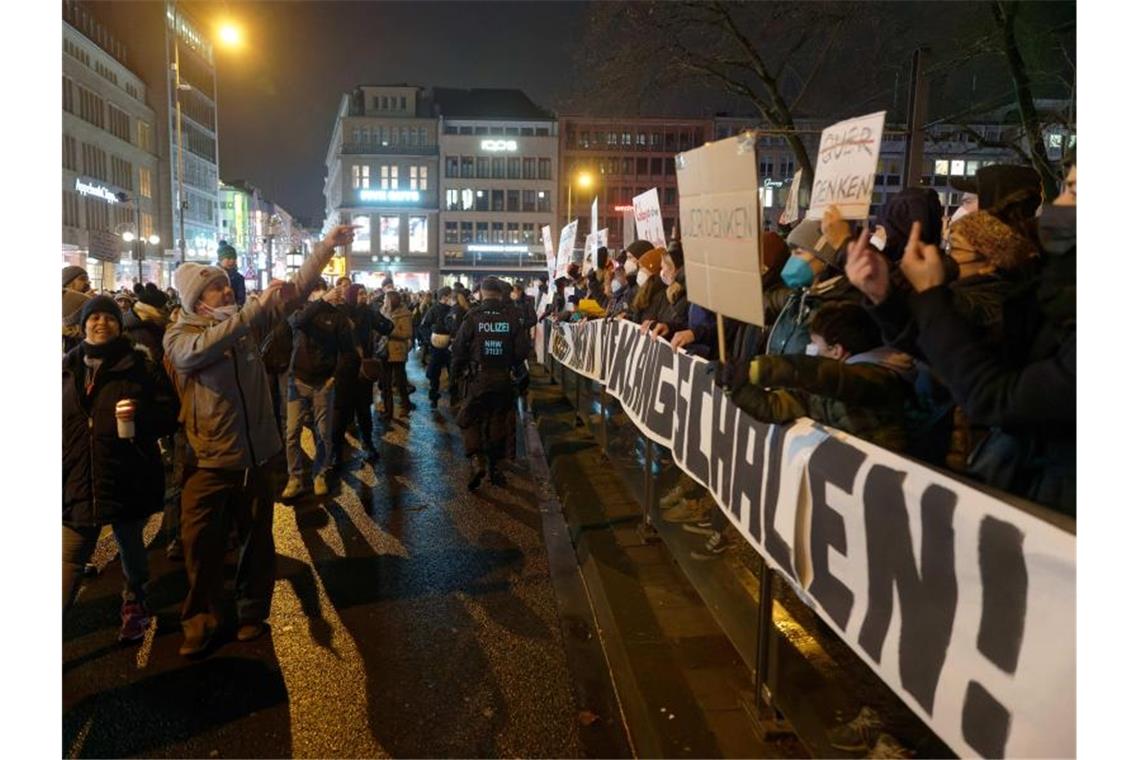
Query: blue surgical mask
[797, 273]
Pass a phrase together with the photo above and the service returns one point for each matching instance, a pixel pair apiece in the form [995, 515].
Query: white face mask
[615, 286]
[812, 349]
[222, 313]
[642, 277]
[630, 265]
[667, 279]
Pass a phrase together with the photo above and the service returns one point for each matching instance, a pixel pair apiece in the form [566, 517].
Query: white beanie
[191, 279]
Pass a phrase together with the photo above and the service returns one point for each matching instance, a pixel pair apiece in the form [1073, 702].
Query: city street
[410, 618]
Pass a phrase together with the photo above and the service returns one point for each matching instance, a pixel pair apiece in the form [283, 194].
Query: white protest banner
[963, 603]
[604, 238]
[594, 215]
[566, 247]
[720, 228]
[845, 168]
[628, 228]
[791, 210]
[548, 245]
[647, 216]
[590, 253]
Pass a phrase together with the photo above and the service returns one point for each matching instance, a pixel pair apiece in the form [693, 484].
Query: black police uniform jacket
[492, 343]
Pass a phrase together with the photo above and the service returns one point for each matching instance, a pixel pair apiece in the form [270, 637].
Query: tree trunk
[1027, 109]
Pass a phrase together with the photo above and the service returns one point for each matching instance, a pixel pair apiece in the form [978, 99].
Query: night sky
[278, 95]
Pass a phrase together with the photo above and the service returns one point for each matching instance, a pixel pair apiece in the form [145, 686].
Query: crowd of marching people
[948, 339]
[192, 401]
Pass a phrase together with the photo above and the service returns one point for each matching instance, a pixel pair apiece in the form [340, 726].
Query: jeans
[440, 360]
[212, 500]
[79, 545]
[318, 400]
[395, 373]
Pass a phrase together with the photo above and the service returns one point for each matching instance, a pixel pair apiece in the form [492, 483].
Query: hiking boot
[320, 485]
[174, 551]
[136, 619]
[293, 488]
[478, 471]
[856, 734]
[714, 547]
[687, 511]
[250, 631]
[888, 746]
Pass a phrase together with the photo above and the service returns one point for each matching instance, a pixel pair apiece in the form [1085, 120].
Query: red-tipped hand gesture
[867, 269]
[921, 263]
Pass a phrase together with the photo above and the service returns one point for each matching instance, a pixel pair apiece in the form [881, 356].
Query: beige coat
[400, 339]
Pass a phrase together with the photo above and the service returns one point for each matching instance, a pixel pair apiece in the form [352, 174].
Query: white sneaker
[293, 488]
[320, 485]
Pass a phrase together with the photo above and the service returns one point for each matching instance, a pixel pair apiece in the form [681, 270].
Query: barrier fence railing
[958, 600]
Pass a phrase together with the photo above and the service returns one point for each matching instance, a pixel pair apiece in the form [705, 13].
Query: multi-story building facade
[499, 176]
[263, 234]
[383, 176]
[110, 167]
[157, 34]
[615, 159]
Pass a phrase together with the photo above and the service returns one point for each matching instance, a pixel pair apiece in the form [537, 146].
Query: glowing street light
[585, 181]
[230, 35]
[154, 240]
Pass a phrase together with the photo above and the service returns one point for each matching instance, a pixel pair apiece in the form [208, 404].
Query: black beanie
[152, 296]
[97, 304]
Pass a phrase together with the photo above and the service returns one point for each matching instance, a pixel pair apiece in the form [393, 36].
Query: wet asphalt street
[410, 618]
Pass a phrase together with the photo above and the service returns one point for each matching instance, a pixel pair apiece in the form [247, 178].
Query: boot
[478, 471]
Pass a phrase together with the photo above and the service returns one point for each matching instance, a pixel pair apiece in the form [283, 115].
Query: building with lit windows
[150, 32]
[383, 176]
[615, 159]
[499, 175]
[265, 236]
[110, 167]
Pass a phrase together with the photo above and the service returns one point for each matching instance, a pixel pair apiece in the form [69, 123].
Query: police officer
[490, 346]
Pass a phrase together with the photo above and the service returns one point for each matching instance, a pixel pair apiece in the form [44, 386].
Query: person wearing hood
[1030, 402]
[227, 260]
[146, 321]
[116, 405]
[847, 380]
[813, 274]
[913, 204]
[672, 312]
[227, 412]
[650, 288]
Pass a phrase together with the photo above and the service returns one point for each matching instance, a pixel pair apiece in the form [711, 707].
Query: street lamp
[585, 181]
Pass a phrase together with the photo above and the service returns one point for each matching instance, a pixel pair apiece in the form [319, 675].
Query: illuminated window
[957, 168]
[362, 237]
[452, 200]
[941, 167]
[389, 234]
[512, 232]
[417, 234]
[451, 232]
[468, 198]
[971, 168]
[144, 182]
[359, 176]
[389, 177]
[497, 232]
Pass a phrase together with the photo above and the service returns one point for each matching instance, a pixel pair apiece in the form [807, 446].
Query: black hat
[100, 303]
[639, 248]
[226, 251]
[152, 296]
[993, 183]
[492, 285]
[71, 272]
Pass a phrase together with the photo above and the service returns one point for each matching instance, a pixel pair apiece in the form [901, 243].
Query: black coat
[108, 479]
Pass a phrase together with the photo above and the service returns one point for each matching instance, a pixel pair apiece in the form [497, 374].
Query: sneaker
[136, 619]
[855, 735]
[174, 551]
[293, 488]
[196, 645]
[700, 530]
[714, 547]
[250, 631]
[687, 511]
[320, 485]
[888, 746]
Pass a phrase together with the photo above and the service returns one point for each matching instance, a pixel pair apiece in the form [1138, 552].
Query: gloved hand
[733, 374]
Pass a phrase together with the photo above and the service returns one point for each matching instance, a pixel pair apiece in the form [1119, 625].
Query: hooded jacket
[866, 395]
[227, 409]
[673, 308]
[790, 333]
[108, 479]
[322, 334]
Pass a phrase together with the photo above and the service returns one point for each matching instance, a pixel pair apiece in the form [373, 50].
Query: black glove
[733, 374]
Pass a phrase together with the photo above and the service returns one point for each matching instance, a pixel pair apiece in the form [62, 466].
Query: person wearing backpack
[439, 324]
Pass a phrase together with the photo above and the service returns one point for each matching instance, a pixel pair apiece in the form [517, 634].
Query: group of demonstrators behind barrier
[195, 400]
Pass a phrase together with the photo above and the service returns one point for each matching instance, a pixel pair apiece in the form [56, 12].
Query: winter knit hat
[995, 240]
[73, 301]
[808, 236]
[651, 261]
[152, 296]
[71, 272]
[103, 304]
[639, 248]
[191, 279]
[226, 251]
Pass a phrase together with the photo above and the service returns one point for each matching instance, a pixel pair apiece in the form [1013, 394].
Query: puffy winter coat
[400, 338]
[109, 479]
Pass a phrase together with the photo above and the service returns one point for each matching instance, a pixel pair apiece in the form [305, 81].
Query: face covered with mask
[643, 276]
[630, 266]
[217, 301]
[799, 271]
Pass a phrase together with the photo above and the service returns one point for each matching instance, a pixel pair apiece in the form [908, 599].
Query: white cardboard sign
[566, 247]
[846, 165]
[548, 245]
[647, 216]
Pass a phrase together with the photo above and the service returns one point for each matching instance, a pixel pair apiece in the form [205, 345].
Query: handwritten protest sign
[720, 228]
[845, 168]
[791, 210]
[548, 245]
[590, 252]
[566, 247]
[647, 216]
[604, 238]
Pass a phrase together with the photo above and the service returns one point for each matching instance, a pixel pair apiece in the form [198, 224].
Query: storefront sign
[497, 248]
[391, 196]
[87, 188]
[499, 146]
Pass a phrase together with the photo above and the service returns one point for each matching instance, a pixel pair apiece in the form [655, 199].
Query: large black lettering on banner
[920, 574]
